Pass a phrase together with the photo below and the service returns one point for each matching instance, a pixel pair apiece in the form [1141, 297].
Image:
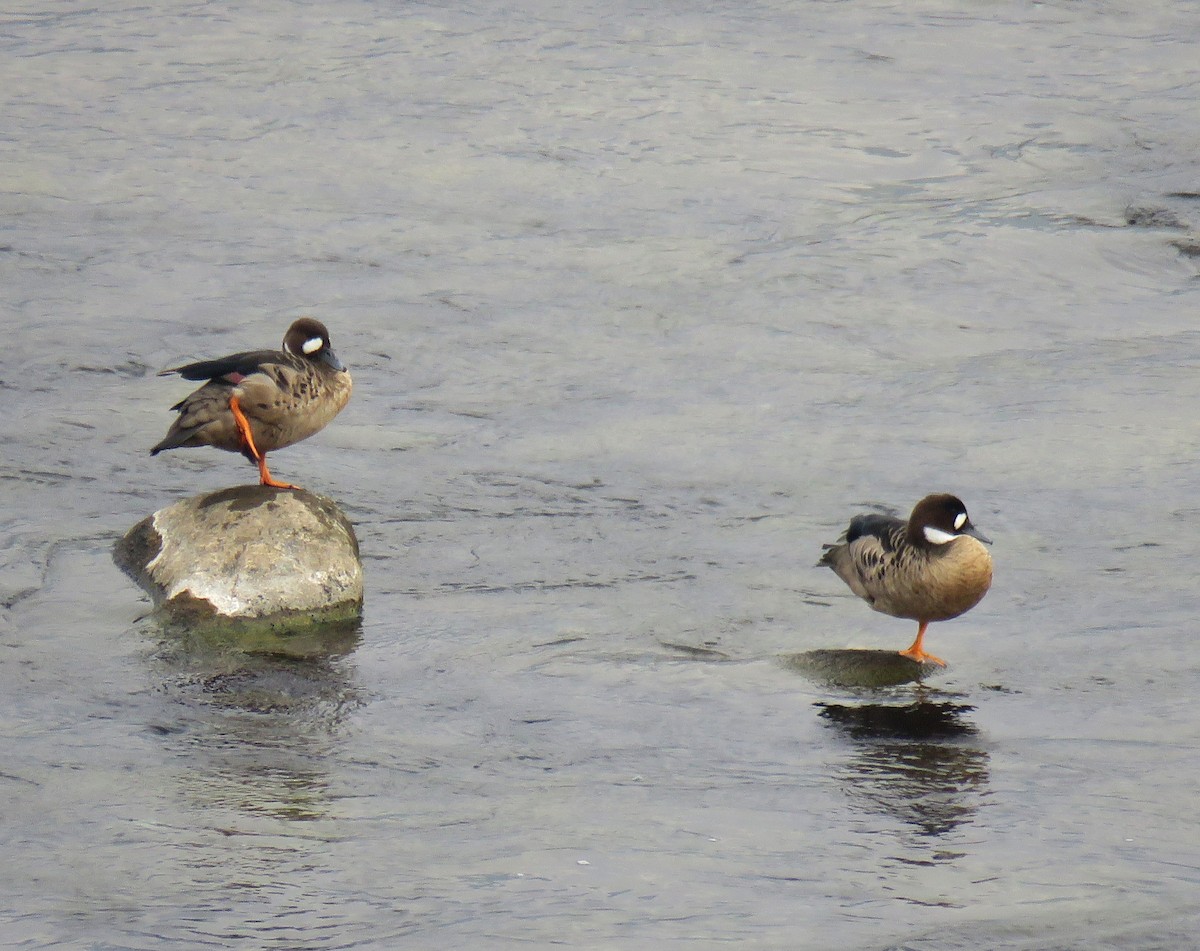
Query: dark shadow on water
[923, 720]
[918, 762]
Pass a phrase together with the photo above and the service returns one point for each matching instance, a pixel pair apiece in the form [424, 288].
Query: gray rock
[860, 668]
[248, 555]
[1150, 216]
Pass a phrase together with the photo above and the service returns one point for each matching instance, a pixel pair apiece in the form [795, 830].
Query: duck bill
[331, 358]
[976, 533]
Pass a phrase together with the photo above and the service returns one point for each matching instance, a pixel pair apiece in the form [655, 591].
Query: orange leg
[916, 651]
[243, 426]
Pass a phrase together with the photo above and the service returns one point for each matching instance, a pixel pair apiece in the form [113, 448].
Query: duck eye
[313, 344]
[960, 520]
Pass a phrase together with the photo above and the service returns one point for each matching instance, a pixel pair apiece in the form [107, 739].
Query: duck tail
[174, 439]
[828, 556]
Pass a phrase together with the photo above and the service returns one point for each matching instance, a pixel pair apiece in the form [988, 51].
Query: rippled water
[642, 302]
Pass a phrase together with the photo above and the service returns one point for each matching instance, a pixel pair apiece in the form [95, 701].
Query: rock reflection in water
[916, 762]
[257, 728]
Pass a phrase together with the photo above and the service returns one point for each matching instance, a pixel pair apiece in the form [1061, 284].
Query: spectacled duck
[262, 400]
[929, 568]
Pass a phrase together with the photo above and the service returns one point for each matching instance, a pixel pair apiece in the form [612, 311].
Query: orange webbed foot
[915, 651]
[921, 657]
[267, 480]
[265, 477]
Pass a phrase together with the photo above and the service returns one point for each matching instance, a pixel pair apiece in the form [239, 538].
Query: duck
[932, 567]
[261, 400]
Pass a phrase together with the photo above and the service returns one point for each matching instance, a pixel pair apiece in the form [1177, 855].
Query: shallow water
[642, 302]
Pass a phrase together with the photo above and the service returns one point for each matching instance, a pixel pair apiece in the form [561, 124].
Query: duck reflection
[917, 762]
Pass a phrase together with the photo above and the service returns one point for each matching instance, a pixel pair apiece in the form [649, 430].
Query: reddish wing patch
[235, 378]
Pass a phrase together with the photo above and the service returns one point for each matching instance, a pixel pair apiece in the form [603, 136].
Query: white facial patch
[935, 536]
[312, 345]
[960, 520]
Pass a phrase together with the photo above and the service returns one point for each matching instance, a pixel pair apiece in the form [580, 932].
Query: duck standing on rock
[930, 568]
[262, 400]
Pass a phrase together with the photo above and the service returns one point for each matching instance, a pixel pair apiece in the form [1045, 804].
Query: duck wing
[885, 530]
[233, 368]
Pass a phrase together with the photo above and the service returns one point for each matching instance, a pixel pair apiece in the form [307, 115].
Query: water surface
[642, 303]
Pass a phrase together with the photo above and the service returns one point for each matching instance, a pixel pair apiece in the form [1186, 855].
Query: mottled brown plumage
[262, 400]
[930, 568]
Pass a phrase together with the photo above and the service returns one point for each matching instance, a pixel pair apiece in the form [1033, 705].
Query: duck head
[939, 519]
[308, 338]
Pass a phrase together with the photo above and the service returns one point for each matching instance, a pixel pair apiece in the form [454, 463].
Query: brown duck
[262, 400]
[930, 568]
